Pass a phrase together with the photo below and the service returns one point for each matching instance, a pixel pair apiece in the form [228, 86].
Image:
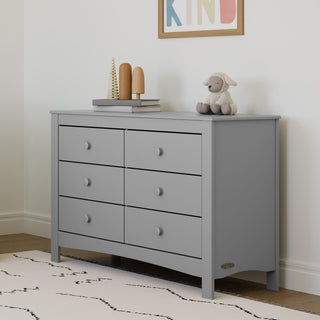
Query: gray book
[130, 103]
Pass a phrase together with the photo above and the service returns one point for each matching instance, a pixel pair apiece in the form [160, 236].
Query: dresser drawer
[94, 219]
[163, 191]
[92, 182]
[163, 151]
[163, 231]
[91, 145]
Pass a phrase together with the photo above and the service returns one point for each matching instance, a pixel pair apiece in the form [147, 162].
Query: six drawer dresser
[193, 193]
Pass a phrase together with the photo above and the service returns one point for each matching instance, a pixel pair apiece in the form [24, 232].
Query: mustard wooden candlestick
[125, 81]
[138, 82]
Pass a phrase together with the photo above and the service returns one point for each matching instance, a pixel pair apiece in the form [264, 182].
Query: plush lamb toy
[219, 101]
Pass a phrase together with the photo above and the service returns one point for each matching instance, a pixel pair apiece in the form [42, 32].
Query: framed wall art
[200, 18]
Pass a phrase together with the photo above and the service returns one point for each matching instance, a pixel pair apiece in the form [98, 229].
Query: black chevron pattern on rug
[116, 309]
[89, 281]
[105, 303]
[64, 275]
[10, 275]
[34, 316]
[43, 262]
[200, 301]
[19, 290]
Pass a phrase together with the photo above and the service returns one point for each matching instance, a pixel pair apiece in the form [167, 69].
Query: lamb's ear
[206, 83]
[229, 81]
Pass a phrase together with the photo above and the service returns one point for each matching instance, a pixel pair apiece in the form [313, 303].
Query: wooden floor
[288, 298]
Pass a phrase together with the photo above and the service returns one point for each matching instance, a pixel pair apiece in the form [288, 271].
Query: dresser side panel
[245, 197]
[55, 251]
[208, 210]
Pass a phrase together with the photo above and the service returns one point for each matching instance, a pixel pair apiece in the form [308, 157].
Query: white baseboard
[11, 223]
[19, 222]
[37, 224]
[299, 276]
[294, 275]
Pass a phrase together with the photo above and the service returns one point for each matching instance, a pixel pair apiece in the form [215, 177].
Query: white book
[152, 108]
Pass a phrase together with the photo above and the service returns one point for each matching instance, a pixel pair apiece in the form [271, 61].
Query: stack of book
[110, 105]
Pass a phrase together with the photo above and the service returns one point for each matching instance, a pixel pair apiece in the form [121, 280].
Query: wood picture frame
[200, 18]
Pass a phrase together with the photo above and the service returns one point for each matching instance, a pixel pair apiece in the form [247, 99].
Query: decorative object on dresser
[129, 83]
[219, 101]
[113, 90]
[194, 193]
[125, 81]
[138, 82]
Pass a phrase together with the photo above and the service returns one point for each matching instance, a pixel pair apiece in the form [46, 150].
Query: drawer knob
[158, 151]
[87, 182]
[159, 191]
[87, 218]
[87, 145]
[158, 231]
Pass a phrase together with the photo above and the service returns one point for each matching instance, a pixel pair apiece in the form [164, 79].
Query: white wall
[11, 115]
[68, 51]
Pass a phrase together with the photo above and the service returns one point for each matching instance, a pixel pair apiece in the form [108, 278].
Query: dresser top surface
[170, 115]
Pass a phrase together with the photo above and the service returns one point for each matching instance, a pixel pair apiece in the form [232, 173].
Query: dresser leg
[273, 280]
[208, 287]
[55, 253]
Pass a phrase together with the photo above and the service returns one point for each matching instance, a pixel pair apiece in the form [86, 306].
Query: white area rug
[32, 288]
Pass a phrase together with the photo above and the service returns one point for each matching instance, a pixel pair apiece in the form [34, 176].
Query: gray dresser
[193, 193]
